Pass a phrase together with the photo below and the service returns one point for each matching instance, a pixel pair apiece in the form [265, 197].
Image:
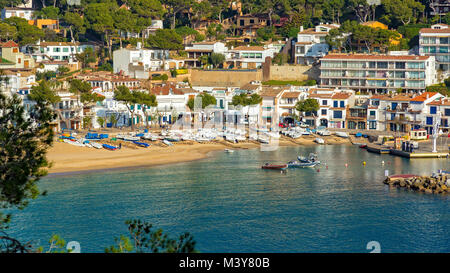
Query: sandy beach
[70, 158]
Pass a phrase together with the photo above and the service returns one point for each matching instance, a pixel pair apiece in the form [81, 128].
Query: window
[324, 112]
[443, 40]
[400, 65]
[394, 105]
[429, 120]
[392, 116]
[252, 21]
[241, 22]
[382, 65]
[65, 49]
[56, 49]
[337, 114]
[335, 103]
[447, 112]
[432, 109]
[373, 125]
[324, 102]
[342, 104]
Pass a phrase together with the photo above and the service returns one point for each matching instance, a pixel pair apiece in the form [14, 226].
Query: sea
[229, 204]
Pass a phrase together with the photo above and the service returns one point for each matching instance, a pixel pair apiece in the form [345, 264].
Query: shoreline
[68, 159]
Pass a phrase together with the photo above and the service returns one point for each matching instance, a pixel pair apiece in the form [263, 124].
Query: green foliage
[144, 239]
[24, 140]
[206, 99]
[401, 12]
[217, 59]
[162, 77]
[101, 121]
[308, 105]
[266, 33]
[57, 245]
[7, 32]
[87, 122]
[45, 75]
[105, 67]
[48, 13]
[86, 57]
[244, 99]
[26, 33]
[280, 58]
[44, 93]
[443, 88]
[167, 39]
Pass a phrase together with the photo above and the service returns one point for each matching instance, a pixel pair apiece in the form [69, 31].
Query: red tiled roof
[398, 98]
[341, 96]
[323, 96]
[165, 89]
[424, 96]
[379, 97]
[441, 102]
[372, 57]
[10, 43]
[430, 30]
[292, 95]
[249, 48]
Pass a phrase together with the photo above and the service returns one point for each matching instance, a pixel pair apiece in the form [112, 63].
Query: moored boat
[109, 147]
[296, 164]
[141, 144]
[268, 166]
[342, 134]
[319, 140]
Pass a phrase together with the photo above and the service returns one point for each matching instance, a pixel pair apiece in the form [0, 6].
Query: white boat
[168, 143]
[75, 143]
[319, 140]
[131, 138]
[324, 133]
[342, 134]
[229, 151]
[96, 145]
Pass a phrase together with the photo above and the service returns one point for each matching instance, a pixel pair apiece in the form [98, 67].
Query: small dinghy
[268, 166]
[229, 151]
[168, 143]
[141, 144]
[109, 147]
[319, 140]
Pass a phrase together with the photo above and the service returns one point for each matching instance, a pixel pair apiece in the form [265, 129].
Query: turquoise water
[230, 205]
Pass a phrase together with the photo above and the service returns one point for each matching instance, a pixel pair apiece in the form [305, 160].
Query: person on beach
[120, 145]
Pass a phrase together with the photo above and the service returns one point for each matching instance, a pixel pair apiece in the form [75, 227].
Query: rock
[428, 191]
[402, 183]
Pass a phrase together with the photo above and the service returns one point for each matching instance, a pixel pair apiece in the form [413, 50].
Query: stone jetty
[437, 183]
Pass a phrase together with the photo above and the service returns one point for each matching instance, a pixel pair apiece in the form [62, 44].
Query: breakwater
[438, 184]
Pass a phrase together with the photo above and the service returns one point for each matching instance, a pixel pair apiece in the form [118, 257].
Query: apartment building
[435, 41]
[377, 73]
[311, 43]
[17, 81]
[106, 81]
[137, 62]
[439, 7]
[333, 106]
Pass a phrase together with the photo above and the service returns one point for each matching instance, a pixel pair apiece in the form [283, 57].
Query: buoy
[364, 163]
[346, 165]
[327, 167]
[318, 170]
[382, 162]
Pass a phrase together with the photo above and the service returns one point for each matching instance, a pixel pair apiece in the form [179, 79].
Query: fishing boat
[319, 140]
[324, 133]
[296, 164]
[229, 151]
[268, 166]
[141, 144]
[109, 147]
[363, 146]
[172, 138]
[74, 142]
[342, 134]
[311, 158]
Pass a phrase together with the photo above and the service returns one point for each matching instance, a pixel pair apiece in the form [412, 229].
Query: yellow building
[13, 58]
[376, 24]
[46, 23]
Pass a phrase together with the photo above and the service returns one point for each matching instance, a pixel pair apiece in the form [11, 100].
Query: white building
[439, 109]
[18, 81]
[250, 57]
[435, 41]
[311, 43]
[25, 13]
[197, 50]
[377, 73]
[137, 62]
[58, 51]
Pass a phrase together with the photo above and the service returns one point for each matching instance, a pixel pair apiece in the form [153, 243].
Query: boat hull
[275, 167]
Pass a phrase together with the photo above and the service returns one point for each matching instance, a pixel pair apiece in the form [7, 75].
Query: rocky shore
[438, 184]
